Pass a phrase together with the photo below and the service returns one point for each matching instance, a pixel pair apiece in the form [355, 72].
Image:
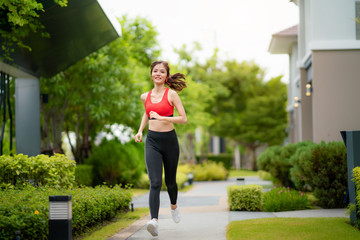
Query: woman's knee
[156, 185]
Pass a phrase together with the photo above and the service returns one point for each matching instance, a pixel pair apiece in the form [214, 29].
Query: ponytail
[176, 81]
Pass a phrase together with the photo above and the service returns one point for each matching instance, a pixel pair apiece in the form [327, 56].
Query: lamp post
[60, 218]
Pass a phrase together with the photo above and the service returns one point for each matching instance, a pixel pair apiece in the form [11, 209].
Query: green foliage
[356, 173]
[102, 89]
[27, 210]
[278, 161]
[245, 197]
[225, 159]
[55, 171]
[265, 176]
[116, 163]
[84, 175]
[284, 199]
[209, 171]
[323, 167]
[18, 19]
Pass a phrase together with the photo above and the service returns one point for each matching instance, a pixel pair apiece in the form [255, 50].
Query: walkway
[205, 214]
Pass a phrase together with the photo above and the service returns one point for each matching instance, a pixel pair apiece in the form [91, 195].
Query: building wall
[336, 93]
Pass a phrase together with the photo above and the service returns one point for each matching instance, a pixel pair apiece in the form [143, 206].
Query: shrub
[225, 159]
[27, 210]
[284, 199]
[116, 163]
[55, 171]
[278, 161]
[209, 171]
[323, 167]
[265, 176]
[356, 172]
[84, 174]
[245, 197]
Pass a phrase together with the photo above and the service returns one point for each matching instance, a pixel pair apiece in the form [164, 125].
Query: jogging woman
[161, 145]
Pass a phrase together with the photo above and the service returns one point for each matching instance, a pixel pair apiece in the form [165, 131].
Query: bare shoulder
[144, 96]
[173, 93]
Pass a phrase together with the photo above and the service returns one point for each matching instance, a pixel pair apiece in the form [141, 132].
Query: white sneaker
[176, 215]
[152, 227]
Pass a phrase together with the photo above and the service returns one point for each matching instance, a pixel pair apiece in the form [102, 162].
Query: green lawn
[242, 173]
[292, 228]
[121, 221]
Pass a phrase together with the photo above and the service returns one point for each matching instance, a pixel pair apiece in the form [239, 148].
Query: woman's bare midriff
[160, 126]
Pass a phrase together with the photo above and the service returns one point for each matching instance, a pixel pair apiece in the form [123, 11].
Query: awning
[75, 31]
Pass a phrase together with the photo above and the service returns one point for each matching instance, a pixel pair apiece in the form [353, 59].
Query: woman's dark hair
[176, 81]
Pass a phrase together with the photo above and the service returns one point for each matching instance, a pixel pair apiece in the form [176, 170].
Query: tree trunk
[191, 156]
[253, 158]
[237, 156]
[86, 145]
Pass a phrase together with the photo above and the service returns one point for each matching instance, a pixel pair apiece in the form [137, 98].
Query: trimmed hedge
[55, 171]
[27, 210]
[356, 173]
[245, 197]
[84, 174]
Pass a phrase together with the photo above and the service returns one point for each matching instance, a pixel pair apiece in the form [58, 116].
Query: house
[324, 69]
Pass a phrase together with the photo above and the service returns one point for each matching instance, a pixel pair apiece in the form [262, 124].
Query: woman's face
[159, 73]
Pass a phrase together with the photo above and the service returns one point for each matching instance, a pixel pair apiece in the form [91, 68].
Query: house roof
[282, 42]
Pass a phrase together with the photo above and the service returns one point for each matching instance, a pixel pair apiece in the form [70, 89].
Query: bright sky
[241, 29]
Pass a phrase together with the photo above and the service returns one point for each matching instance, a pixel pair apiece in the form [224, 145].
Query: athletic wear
[152, 227]
[161, 148]
[163, 108]
[176, 215]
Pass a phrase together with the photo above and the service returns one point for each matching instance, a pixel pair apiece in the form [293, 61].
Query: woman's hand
[154, 115]
[138, 137]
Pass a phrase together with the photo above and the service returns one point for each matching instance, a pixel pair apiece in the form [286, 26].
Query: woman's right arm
[144, 121]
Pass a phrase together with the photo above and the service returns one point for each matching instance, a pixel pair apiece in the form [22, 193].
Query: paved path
[205, 214]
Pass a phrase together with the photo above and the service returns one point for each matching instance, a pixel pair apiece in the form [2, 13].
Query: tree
[101, 89]
[17, 20]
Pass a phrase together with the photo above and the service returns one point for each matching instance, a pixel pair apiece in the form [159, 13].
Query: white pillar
[27, 116]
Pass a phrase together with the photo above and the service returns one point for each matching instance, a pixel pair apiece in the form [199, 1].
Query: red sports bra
[163, 108]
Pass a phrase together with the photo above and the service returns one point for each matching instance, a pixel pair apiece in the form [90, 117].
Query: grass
[242, 173]
[138, 191]
[292, 228]
[121, 221]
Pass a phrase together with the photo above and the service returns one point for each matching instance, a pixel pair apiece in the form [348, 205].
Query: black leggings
[161, 147]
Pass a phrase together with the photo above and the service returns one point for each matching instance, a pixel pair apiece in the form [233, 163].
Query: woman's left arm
[176, 101]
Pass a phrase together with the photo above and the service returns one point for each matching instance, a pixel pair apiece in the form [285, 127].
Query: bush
[116, 163]
[225, 159]
[27, 210]
[356, 173]
[84, 175]
[324, 168]
[245, 197]
[209, 171]
[278, 161]
[265, 176]
[284, 199]
[55, 171]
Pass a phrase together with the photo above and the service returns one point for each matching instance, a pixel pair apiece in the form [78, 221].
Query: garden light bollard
[60, 218]
[352, 143]
[240, 181]
[190, 178]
